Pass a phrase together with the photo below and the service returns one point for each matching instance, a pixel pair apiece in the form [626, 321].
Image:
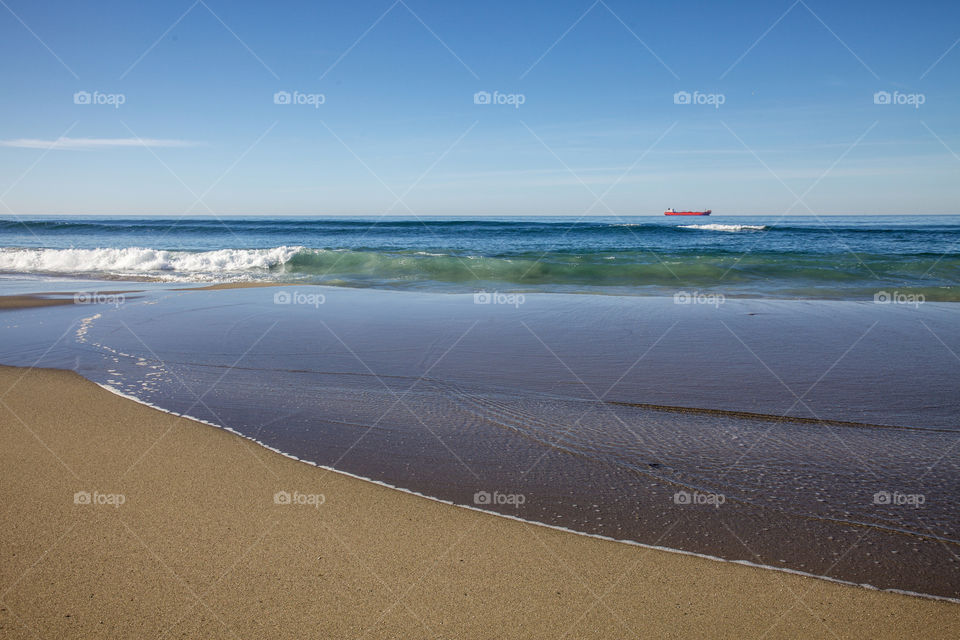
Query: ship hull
[687, 213]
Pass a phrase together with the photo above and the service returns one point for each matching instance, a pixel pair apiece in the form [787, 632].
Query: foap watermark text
[512, 99]
[295, 297]
[897, 297]
[94, 297]
[495, 297]
[485, 498]
[296, 498]
[897, 98]
[697, 97]
[297, 97]
[695, 497]
[899, 499]
[99, 499]
[696, 297]
[99, 98]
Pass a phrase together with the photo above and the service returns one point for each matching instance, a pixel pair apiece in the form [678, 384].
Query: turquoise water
[838, 257]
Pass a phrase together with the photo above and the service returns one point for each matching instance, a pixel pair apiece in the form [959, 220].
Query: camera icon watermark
[311, 99]
[910, 99]
[485, 498]
[897, 498]
[896, 297]
[512, 99]
[296, 498]
[696, 297]
[93, 297]
[296, 297]
[98, 98]
[495, 297]
[697, 97]
[99, 499]
[696, 498]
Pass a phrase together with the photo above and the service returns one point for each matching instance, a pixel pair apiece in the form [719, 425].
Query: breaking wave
[630, 271]
[143, 261]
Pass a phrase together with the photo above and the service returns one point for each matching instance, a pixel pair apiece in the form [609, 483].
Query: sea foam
[139, 260]
[725, 227]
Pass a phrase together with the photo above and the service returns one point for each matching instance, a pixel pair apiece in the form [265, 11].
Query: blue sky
[599, 130]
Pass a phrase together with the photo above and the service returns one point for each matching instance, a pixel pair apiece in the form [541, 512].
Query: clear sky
[782, 113]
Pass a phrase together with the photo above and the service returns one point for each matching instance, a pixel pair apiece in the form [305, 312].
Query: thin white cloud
[93, 143]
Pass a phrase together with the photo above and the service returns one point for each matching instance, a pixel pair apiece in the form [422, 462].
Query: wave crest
[725, 227]
[140, 260]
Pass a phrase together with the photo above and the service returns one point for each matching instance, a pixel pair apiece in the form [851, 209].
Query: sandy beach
[176, 531]
[431, 320]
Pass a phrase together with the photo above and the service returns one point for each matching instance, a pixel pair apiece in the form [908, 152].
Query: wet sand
[200, 548]
[59, 298]
[32, 300]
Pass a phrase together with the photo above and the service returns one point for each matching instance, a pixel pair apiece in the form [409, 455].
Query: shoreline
[215, 471]
[31, 299]
[870, 587]
[633, 495]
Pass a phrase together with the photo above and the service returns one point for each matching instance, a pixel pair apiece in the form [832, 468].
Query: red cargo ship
[671, 212]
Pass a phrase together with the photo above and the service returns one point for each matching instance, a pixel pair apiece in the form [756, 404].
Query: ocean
[777, 392]
[839, 257]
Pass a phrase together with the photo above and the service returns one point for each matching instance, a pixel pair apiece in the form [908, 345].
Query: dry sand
[200, 549]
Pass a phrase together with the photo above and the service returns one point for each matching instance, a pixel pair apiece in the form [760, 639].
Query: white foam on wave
[143, 261]
[725, 227]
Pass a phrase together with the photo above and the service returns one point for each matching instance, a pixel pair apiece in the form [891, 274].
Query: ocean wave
[212, 233]
[629, 271]
[143, 261]
[725, 227]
